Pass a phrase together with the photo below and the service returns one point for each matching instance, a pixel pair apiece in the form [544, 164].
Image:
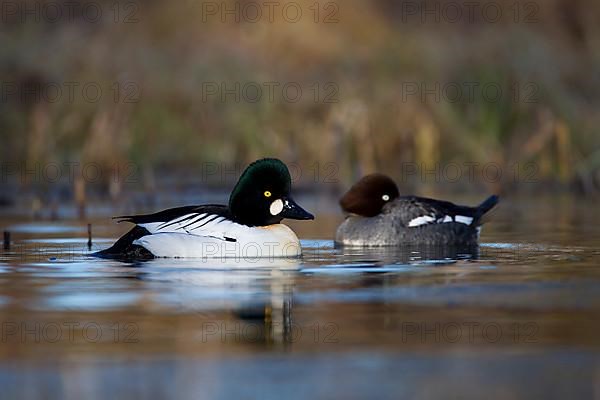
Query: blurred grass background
[163, 54]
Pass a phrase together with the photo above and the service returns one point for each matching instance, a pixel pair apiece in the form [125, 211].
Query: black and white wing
[177, 232]
[417, 211]
[209, 220]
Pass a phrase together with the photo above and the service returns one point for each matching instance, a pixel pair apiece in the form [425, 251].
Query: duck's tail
[124, 246]
[487, 205]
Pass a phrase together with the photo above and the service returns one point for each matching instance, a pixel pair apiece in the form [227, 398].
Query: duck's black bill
[291, 210]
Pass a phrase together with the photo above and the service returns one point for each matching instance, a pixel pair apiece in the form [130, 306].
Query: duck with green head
[249, 226]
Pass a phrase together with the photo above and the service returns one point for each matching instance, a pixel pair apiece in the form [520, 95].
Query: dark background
[472, 96]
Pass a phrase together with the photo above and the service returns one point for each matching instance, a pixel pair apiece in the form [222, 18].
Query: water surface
[516, 318]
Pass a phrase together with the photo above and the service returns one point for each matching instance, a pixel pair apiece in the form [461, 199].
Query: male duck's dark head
[262, 195]
[368, 196]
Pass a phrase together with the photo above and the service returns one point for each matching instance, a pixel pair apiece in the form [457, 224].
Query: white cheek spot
[385, 197]
[276, 207]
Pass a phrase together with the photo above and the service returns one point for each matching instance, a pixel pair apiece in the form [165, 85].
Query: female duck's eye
[385, 197]
[267, 193]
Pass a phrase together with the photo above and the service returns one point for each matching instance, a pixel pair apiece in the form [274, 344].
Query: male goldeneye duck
[248, 227]
[379, 216]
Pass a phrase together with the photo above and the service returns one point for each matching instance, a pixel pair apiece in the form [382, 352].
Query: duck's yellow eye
[267, 193]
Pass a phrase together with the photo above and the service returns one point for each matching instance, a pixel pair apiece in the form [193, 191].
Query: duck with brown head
[379, 216]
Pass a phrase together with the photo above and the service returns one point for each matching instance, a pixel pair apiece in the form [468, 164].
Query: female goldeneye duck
[248, 227]
[379, 216]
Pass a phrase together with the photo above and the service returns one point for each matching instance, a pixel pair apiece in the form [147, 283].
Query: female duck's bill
[379, 216]
[249, 226]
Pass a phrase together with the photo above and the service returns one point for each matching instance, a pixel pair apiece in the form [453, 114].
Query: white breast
[225, 240]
